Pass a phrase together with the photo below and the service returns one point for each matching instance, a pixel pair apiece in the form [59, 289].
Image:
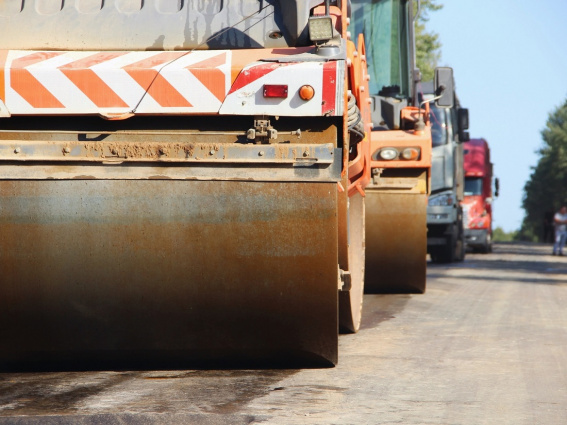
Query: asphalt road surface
[487, 344]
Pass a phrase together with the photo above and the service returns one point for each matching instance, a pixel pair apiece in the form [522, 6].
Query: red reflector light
[275, 90]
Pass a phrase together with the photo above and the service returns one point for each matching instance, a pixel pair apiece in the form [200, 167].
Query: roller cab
[400, 149]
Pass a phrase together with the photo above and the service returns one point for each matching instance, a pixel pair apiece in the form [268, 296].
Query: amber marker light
[306, 92]
[410, 154]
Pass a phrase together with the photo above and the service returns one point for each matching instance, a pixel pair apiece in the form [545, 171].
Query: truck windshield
[438, 126]
[384, 26]
[473, 186]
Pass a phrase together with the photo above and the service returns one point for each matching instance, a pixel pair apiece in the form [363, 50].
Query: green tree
[427, 44]
[499, 235]
[545, 191]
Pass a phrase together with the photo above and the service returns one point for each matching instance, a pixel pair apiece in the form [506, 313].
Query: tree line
[546, 190]
[427, 44]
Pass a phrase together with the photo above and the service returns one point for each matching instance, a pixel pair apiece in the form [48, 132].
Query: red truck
[477, 203]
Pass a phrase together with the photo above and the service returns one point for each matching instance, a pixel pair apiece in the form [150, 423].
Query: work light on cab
[320, 28]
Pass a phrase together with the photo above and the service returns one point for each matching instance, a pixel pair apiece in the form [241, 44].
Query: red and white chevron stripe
[121, 83]
[111, 83]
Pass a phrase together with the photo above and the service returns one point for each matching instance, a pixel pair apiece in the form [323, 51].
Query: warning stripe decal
[178, 82]
[3, 55]
[147, 74]
[90, 83]
[207, 73]
[23, 82]
[251, 74]
[37, 83]
[328, 105]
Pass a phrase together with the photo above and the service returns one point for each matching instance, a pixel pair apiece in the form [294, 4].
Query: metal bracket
[102, 151]
[376, 173]
[345, 281]
[264, 132]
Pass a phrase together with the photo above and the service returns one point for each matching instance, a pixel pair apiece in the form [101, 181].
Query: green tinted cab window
[384, 26]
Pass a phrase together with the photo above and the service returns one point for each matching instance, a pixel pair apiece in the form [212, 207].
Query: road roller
[181, 182]
[400, 148]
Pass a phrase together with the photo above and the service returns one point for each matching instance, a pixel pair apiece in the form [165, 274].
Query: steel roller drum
[396, 242]
[157, 273]
[352, 235]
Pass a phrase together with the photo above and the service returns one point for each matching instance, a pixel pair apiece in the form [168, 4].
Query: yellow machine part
[157, 273]
[396, 239]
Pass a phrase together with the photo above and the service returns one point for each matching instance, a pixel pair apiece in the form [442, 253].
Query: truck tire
[460, 246]
[487, 246]
[444, 254]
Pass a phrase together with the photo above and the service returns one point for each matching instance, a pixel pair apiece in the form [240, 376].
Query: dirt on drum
[99, 271]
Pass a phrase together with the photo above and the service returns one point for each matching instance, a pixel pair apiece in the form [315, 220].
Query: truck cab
[477, 202]
[445, 235]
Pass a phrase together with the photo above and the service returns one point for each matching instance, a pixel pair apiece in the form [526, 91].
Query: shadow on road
[511, 262]
[381, 308]
[66, 393]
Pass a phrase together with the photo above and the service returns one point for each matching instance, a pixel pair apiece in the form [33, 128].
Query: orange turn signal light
[410, 154]
[306, 92]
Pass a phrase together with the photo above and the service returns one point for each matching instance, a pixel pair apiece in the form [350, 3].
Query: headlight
[478, 224]
[441, 200]
[388, 154]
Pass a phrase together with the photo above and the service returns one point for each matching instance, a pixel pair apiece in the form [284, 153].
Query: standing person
[560, 222]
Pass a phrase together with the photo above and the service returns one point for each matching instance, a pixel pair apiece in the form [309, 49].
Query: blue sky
[510, 65]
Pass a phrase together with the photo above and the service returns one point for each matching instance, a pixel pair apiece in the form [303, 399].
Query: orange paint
[359, 167]
[90, 83]
[153, 83]
[3, 55]
[400, 139]
[212, 78]
[27, 86]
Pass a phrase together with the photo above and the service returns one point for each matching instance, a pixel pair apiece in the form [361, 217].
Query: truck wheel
[459, 250]
[460, 247]
[444, 254]
[487, 247]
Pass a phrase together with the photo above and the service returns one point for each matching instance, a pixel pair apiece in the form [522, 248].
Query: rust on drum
[396, 242]
[99, 272]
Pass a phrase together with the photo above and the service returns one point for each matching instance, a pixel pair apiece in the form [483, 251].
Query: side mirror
[463, 118]
[444, 87]
[463, 122]
[496, 187]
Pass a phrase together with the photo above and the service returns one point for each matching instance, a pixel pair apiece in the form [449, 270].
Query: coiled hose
[354, 121]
